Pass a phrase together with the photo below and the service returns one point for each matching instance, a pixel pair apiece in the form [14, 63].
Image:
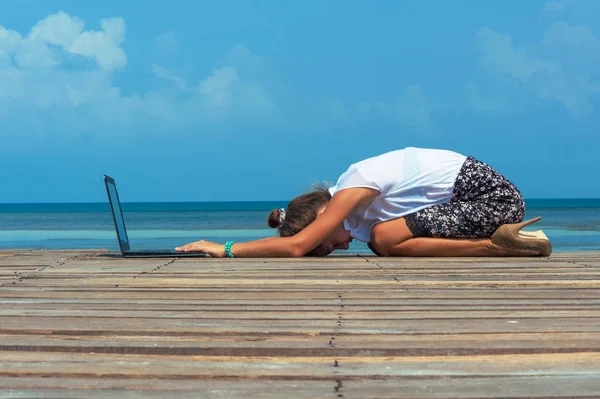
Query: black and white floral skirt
[482, 201]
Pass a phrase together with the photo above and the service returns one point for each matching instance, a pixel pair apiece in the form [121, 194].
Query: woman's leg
[394, 238]
[450, 247]
[469, 225]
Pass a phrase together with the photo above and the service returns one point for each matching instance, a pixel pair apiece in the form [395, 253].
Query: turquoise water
[571, 225]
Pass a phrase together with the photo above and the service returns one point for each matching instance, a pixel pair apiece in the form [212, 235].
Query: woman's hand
[211, 248]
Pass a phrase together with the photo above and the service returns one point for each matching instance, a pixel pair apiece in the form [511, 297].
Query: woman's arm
[340, 206]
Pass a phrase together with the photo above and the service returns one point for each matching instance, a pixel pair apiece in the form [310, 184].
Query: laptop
[115, 207]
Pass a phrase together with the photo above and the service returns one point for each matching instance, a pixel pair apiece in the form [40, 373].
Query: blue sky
[240, 100]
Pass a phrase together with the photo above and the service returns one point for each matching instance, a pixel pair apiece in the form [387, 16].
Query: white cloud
[500, 55]
[563, 66]
[9, 41]
[166, 74]
[217, 87]
[103, 46]
[233, 87]
[219, 81]
[63, 69]
[246, 61]
[43, 69]
[54, 39]
[218, 95]
[61, 88]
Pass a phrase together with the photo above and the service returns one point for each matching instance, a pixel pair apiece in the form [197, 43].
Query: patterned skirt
[482, 201]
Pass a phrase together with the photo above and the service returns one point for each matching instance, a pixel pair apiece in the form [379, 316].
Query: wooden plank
[517, 387]
[76, 388]
[363, 274]
[78, 324]
[265, 293]
[184, 282]
[314, 305]
[191, 326]
[292, 313]
[89, 365]
[338, 344]
[506, 386]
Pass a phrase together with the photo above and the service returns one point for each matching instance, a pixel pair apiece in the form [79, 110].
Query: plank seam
[157, 268]
[18, 276]
[368, 259]
[570, 261]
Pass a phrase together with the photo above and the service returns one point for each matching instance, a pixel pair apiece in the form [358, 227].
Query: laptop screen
[115, 205]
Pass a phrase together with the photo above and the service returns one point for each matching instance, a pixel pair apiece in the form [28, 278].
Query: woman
[409, 202]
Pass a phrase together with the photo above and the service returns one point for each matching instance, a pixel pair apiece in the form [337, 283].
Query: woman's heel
[524, 243]
[526, 223]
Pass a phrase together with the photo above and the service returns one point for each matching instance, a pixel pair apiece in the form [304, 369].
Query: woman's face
[339, 239]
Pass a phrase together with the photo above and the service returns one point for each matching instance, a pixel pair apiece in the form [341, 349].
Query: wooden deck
[80, 324]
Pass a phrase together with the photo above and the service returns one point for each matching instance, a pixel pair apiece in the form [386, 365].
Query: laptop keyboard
[162, 251]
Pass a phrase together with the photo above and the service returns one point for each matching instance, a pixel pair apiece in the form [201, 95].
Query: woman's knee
[520, 209]
[513, 212]
[386, 235]
[514, 208]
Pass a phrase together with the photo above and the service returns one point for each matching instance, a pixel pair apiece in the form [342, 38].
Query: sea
[571, 224]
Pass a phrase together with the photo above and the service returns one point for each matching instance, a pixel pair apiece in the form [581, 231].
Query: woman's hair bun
[274, 219]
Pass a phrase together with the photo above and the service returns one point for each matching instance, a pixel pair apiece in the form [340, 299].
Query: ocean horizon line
[247, 201]
[143, 202]
[232, 206]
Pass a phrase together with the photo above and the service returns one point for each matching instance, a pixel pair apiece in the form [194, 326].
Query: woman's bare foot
[509, 240]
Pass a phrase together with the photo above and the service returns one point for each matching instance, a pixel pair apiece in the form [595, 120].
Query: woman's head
[301, 212]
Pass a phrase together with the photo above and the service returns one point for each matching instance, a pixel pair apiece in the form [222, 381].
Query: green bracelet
[228, 253]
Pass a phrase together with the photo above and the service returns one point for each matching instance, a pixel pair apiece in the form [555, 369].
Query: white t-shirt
[408, 180]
